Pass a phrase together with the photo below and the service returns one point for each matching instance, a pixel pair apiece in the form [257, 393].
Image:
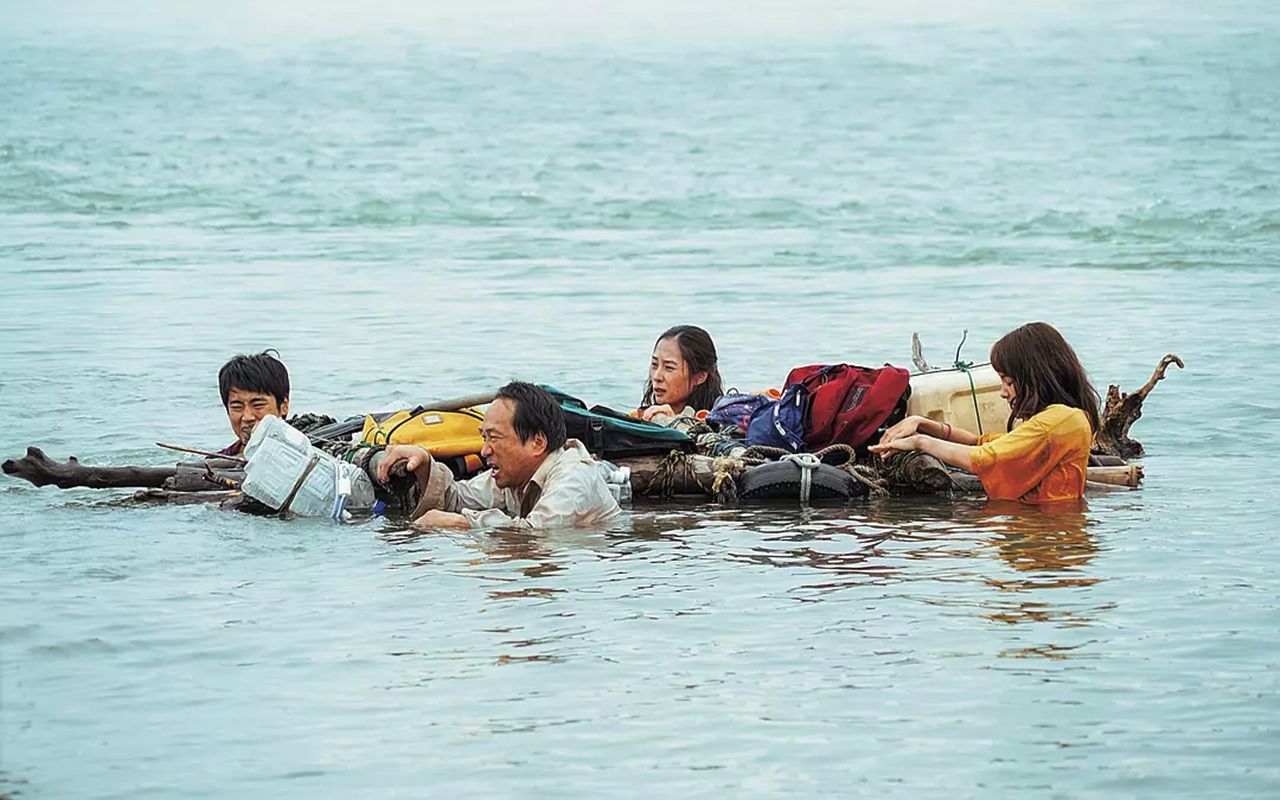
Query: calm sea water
[411, 214]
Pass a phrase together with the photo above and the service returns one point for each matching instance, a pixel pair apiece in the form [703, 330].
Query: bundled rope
[877, 485]
[674, 471]
[841, 456]
[724, 487]
[867, 475]
[758, 454]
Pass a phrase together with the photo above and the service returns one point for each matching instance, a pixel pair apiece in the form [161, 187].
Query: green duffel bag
[610, 435]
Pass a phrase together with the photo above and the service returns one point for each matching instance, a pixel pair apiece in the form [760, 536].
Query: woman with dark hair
[684, 376]
[1046, 456]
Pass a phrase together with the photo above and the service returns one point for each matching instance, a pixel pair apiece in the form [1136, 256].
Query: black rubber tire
[780, 480]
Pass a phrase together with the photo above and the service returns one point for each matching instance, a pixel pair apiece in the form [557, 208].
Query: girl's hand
[907, 427]
[657, 411]
[904, 443]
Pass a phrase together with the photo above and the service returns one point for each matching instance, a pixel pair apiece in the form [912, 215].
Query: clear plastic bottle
[618, 479]
[281, 458]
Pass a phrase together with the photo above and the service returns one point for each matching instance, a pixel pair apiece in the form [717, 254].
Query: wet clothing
[566, 490]
[233, 449]
[1044, 459]
[683, 421]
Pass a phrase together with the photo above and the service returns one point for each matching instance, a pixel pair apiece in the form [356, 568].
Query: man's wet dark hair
[536, 412]
[260, 372]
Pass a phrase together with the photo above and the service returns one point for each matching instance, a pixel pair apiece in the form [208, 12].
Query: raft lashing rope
[967, 368]
[807, 462]
[769, 473]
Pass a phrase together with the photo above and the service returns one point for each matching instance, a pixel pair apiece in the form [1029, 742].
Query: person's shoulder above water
[1062, 421]
[571, 459]
[537, 477]
[573, 492]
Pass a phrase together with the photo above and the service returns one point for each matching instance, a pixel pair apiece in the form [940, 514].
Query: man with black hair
[536, 478]
[252, 387]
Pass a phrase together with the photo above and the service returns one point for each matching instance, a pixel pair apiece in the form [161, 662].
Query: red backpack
[847, 404]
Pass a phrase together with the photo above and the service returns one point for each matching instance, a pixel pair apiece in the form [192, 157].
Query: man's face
[246, 410]
[513, 462]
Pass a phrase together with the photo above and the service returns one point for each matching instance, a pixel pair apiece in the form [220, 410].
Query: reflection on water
[818, 201]
[1051, 546]
[938, 552]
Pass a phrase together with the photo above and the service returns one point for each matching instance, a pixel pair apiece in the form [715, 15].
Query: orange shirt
[1044, 459]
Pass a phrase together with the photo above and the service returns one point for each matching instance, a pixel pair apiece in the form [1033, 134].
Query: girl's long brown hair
[699, 356]
[1044, 370]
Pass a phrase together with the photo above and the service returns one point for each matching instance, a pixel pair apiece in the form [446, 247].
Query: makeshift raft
[836, 474]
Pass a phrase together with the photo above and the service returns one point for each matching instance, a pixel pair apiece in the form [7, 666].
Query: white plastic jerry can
[284, 468]
[947, 395]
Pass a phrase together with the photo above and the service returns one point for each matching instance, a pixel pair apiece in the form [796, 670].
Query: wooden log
[459, 403]
[179, 498]
[41, 470]
[1120, 411]
[695, 482]
[911, 473]
[1105, 460]
[966, 483]
[1129, 475]
[202, 477]
[918, 476]
[226, 500]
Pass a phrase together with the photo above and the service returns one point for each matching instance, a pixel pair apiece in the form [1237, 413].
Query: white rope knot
[807, 462]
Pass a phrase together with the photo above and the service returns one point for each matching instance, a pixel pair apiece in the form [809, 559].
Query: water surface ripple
[405, 220]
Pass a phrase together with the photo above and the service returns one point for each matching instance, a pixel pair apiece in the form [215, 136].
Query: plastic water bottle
[618, 479]
[282, 458]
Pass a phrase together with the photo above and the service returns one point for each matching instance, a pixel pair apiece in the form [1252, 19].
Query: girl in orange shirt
[1043, 459]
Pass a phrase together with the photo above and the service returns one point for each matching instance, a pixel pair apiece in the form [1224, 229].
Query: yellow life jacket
[444, 434]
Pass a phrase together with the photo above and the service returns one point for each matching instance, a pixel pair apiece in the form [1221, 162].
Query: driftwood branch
[41, 470]
[199, 476]
[1120, 411]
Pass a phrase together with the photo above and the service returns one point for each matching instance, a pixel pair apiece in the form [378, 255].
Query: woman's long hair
[699, 354]
[1044, 370]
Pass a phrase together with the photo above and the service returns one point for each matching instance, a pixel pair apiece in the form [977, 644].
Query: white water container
[946, 395]
[279, 458]
[617, 479]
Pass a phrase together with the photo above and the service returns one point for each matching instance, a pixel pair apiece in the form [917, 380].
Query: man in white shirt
[536, 478]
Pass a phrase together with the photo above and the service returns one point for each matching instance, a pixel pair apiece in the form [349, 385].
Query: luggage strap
[288, 501]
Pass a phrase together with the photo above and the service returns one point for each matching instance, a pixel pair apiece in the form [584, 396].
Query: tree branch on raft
[41, 470]
[1122, 410]
[211, 475]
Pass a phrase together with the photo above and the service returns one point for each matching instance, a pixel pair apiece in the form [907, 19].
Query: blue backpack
[734, 410]
[781, 423]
